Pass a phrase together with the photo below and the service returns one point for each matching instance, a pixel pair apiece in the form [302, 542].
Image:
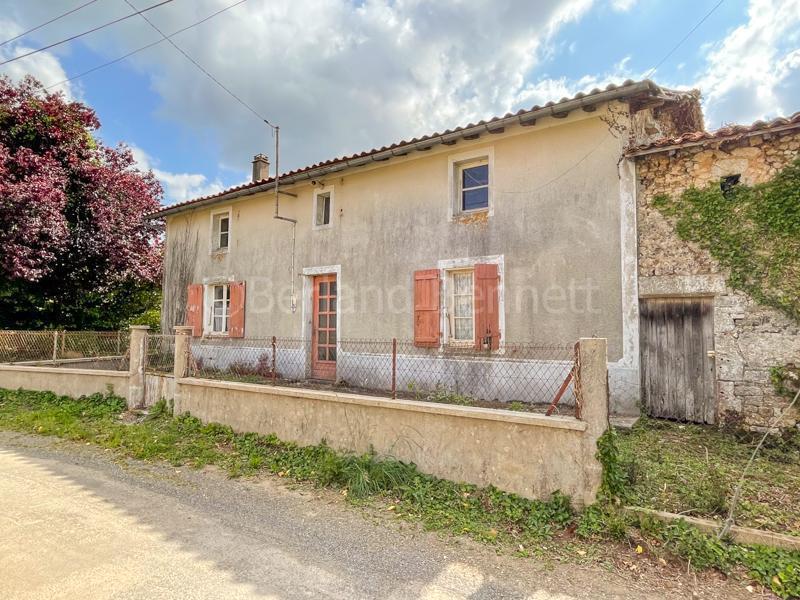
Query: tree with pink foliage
[77, 250]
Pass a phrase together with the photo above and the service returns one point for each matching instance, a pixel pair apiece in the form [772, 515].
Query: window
[220, 231]
[461, 307]
[727, 183]
[474, 186]
[323, 207]
[470, 181]
[220, 308]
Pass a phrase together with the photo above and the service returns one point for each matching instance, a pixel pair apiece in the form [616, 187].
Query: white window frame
[315, 194]
[215, 234]
[209, 300]
[455, 164]
[464, 264]
[450, 307]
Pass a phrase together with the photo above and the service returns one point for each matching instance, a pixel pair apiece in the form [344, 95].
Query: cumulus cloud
[177, 186]
[337, 75]
[45, 66]
[754, 71]
[622, 5]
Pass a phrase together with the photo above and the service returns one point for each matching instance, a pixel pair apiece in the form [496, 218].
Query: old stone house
[516, 229]
[533, 227]
[707, 349]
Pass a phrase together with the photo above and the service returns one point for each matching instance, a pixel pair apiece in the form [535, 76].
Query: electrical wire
[684, 38]
[608, 134]
[145, 47]
[53, 20]
[202, 69]
[78, 35]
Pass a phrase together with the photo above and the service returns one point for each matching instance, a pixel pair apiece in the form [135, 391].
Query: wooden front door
[677, 358]
[323, 339]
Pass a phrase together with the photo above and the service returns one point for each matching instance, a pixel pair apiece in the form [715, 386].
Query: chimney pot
[260, 167]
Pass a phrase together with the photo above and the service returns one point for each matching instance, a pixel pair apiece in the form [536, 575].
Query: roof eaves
[402, 148]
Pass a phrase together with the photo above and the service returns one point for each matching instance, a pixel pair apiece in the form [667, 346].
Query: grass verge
[693, 470]
[485, 514]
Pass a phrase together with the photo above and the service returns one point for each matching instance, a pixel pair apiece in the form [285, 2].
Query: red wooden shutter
[236, 317]
[194, 308]
[426, 308]
[487, 307]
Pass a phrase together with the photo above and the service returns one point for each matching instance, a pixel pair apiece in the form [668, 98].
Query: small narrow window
[462, 313]
[220, 308]
[727, 183]
[221, 231]
[322, 212]
[474, 186]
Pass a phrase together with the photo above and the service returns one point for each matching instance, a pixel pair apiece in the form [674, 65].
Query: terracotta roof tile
[729, 131]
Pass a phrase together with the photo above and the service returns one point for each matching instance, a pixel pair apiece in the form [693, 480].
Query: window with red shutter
[194, 308]
[487, 307]
[426, 308]
[236, 317]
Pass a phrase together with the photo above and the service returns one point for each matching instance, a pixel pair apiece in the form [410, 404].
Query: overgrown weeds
[485, 514]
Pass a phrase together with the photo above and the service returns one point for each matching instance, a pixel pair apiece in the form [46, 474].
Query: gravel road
[78, 522]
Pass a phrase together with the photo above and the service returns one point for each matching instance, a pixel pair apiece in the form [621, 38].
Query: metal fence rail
[522, 376]
[77, 349]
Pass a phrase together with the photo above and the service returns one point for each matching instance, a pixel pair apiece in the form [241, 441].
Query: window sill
[321, 227]
[219, 251]
[472, 216]
[209, 334]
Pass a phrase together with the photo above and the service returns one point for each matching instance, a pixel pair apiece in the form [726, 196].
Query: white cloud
[754, 72]
[177, 186]
[622, 5]
[44, 66]
[337, 75]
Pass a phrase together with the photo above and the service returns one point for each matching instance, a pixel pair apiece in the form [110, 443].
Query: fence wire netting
[70, 349]
[521, 376]
[160, 357]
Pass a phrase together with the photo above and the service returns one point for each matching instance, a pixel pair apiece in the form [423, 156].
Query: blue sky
[341, 77]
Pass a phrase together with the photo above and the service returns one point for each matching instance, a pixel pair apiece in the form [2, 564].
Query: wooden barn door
[677, 358]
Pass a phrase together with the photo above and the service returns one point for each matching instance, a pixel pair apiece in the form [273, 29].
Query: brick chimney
[260, 167]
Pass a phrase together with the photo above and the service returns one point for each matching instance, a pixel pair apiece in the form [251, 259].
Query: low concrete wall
[158, 386]
[66, 382]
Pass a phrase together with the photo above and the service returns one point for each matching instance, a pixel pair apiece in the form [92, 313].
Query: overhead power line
[145, 47]
[201, 68]
[78, 35]
[684, 38]
[54, 19]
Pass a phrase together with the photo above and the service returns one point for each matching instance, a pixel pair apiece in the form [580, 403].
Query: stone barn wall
[749, 338]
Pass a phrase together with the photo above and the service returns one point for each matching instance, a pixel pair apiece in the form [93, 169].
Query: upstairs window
[323, 207]
[474, 186]
[220, 231]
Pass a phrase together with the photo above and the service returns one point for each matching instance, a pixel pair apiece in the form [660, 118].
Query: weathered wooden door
[677, 358]
[323, 340]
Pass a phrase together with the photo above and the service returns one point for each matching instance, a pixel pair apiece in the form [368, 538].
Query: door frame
[710, 297]
[307, 304]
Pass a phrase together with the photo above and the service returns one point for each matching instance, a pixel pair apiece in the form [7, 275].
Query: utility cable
[202, 69]
[53, 20]
[78, 35]
[145, 47]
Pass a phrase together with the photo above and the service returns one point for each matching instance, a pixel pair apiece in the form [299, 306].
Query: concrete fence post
[138, 364]
[183, 340]
[593, 384]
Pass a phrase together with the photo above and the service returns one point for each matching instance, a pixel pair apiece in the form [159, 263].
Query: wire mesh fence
[160, 356]
[521, 376]
[76, 349]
